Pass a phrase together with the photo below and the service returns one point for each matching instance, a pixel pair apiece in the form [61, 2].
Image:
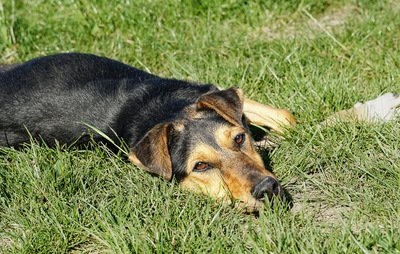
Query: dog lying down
[193, 132]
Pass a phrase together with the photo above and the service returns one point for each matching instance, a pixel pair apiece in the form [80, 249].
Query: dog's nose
[268, 186]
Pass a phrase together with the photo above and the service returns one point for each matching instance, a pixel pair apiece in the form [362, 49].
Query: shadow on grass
[265, 144]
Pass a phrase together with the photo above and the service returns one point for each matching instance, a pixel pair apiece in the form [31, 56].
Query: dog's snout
[268, 186]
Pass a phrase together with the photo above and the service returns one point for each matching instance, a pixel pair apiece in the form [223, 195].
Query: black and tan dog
[196, 133]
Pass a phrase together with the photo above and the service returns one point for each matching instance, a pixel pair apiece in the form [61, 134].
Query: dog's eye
[201, 166]
[239, 139]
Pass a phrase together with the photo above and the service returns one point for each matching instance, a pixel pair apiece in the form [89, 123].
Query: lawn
[311, 57]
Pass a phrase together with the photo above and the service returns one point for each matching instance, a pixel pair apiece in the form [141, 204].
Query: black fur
[52, 96]
[161, 120]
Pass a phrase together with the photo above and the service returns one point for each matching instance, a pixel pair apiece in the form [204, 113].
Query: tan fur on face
[235, 170]
[208, 182]
[225, 136]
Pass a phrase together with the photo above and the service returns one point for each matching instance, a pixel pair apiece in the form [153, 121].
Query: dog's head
[209, 149]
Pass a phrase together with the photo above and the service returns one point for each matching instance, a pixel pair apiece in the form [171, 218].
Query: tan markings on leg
[349, 115]
[384, 108]
[271, 117]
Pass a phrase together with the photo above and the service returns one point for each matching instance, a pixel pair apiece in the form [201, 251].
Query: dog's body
[193, 132]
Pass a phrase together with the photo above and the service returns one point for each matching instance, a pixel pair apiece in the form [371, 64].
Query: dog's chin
[252, 206]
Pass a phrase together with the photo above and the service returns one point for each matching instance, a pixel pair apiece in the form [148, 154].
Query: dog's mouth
[253, 205]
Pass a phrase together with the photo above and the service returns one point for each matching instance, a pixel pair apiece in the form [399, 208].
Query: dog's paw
[384, 108]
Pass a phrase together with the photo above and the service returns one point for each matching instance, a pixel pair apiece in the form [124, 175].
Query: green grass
[311, 57]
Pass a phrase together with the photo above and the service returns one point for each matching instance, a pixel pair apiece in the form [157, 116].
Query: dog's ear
[151, 153]
[228, 103]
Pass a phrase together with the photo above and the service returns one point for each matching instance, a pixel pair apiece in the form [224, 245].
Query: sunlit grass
[311, 57]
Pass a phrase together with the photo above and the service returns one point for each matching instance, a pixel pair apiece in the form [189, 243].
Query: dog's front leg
[384, 108]
[274, 118]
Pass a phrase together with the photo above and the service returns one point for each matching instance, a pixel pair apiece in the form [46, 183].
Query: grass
[311, 57]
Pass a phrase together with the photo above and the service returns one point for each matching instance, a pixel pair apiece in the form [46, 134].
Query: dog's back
[50, 98]
[7, 67]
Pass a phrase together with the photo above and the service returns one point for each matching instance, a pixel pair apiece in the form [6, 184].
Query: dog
[196, 133]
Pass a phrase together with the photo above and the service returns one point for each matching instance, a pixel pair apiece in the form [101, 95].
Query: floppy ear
[151, 153]
[228, 103]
